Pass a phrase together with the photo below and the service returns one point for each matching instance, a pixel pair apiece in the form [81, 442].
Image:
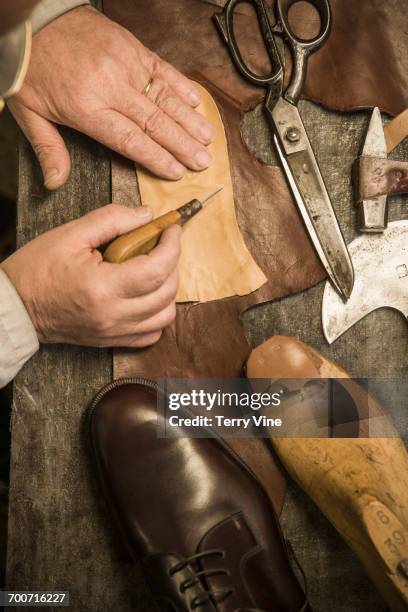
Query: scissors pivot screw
[292, 134]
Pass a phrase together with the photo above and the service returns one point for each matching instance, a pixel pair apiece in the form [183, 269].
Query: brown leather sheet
[208, 339]
[365, 61]
[363, 64]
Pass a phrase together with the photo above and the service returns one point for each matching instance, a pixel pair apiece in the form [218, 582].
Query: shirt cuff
[48, 10]
[18, 338]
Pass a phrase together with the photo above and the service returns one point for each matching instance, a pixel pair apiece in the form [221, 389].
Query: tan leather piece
[360, 484]
[396, 130]
[215, 262]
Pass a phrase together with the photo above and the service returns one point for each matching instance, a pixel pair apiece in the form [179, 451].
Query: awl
[143, 239]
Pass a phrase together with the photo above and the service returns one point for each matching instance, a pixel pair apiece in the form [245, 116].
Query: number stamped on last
[17, 599]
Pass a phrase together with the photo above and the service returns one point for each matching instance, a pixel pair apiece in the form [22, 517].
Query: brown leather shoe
[190, 510]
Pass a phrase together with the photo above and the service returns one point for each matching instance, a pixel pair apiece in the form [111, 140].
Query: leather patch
[363, 64]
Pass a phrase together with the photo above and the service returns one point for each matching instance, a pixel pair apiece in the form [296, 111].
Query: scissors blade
[310, 193]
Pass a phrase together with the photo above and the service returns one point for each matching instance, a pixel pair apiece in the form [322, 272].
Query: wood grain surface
[60, 535]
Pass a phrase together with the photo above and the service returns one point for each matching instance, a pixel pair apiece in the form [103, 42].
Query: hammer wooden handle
[141, 240]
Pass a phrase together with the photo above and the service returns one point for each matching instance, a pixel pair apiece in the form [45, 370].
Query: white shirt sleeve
[48, 10]
[18, 338]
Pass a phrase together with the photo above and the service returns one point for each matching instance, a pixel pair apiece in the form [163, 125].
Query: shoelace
[209, 596]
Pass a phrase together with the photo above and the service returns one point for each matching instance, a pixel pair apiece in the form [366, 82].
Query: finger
[106, 223]
[143, 341]
[178, 82]
[122, 135]
[47, 143]
[159, 321]
[153, 303]
[163, 96]
[161, 128]
[147, 273]
[148, 325]
[135, 340]
[139, 308]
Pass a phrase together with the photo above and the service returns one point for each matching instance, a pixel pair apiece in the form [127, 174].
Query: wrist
[26, 305]
[18, 337]
[49, 10]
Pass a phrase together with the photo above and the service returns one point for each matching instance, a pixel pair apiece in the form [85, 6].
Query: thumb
[107, 223]
[47, 143]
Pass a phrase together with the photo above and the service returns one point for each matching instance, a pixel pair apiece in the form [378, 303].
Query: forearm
[48, 10]
[18, 338]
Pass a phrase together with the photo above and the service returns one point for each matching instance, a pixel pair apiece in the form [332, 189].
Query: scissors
[289, 134]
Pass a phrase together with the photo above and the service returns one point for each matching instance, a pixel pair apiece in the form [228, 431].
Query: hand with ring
[90, 74]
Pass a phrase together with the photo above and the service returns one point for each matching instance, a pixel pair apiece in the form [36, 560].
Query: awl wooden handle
[141, 240]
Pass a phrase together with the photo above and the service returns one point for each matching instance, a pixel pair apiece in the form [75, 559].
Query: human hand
[87, 72]
[75, 297]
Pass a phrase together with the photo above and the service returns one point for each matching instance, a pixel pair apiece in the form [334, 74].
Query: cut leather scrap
[363, 64]
[215, 262]
[396, 130]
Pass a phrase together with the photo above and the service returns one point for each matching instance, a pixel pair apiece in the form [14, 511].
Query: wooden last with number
[361, 483]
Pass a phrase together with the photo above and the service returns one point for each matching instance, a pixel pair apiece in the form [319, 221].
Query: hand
[73, 296]
[88, 73]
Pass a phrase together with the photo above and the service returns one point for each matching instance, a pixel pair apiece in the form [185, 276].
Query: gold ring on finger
[147, 87]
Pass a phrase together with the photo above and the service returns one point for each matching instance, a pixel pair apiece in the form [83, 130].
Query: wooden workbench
[60, 535]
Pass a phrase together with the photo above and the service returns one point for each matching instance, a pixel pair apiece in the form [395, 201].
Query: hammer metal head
[381, 280]
[374, 210]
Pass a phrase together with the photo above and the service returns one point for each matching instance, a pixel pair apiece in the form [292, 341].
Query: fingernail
[177, 170]
[50, 175]
[203, 158]
[208, 132]
[195, 98]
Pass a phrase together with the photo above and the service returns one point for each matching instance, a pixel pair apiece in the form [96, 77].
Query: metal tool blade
[212, 195]
[381, 269]
[311, 196]
[375, 144]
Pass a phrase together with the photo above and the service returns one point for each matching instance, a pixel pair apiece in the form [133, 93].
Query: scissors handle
[225, 24]
[299, 48]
